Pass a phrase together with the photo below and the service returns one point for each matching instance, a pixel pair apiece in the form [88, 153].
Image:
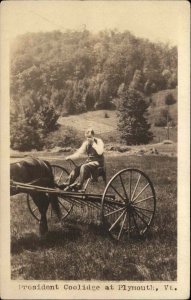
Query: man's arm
[99, 146]
[78, 153]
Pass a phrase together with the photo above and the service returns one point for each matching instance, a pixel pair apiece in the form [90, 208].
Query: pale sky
[155, 20]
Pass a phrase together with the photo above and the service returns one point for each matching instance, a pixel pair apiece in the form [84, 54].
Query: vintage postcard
[95, 135]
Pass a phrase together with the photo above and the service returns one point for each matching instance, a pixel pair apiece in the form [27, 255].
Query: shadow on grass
[54, 238]
[100, 232]
[71, 231]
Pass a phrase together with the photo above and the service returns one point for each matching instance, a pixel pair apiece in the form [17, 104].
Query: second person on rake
[94, 148]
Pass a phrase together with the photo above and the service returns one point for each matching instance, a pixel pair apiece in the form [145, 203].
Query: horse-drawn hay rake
[125, 208]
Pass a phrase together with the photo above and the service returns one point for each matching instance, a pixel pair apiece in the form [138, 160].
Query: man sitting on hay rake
[94, 148]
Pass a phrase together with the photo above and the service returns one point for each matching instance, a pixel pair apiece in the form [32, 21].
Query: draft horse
[37, 172]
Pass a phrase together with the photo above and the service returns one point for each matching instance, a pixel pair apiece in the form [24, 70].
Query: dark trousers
[84, 172]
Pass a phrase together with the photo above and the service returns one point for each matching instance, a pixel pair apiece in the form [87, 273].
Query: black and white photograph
[95, 150]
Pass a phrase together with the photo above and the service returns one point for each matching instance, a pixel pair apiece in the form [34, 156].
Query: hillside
[94, 119]
[57, 73]
[159, 97]
[105, 121]
[158, 104]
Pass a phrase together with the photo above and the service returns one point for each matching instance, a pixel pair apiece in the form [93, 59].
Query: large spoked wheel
[128, 204]
[60, 175]
[33, 208]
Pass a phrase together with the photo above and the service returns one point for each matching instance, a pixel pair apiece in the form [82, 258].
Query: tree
[103, 101]
[169, 100]
[87, 69]
[121, 90]
[132, 122]
[30, 126]
[137, 82]
[23, 136]
[162, 118]
[147, 87]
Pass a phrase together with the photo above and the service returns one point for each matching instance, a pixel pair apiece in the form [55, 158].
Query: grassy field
[79, 250]
[107, 127]
[95, 119]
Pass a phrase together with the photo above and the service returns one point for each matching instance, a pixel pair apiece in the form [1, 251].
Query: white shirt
[99, 147]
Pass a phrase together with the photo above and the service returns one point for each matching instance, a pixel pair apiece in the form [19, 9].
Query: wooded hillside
[80, 71]
[58, 73]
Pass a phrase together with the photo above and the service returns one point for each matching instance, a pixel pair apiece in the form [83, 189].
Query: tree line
[55, 73]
